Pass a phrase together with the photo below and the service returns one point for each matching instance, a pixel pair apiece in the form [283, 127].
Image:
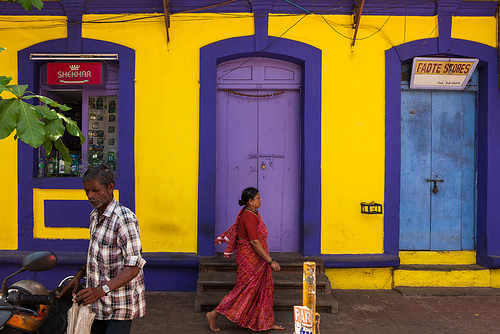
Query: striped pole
[309, 290]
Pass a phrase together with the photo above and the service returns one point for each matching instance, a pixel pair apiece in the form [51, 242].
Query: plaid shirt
[114, 244]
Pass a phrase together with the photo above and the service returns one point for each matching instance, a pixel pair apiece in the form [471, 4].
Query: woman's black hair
[248, 194]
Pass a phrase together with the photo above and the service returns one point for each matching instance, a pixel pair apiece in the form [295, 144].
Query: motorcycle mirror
[39, 261]
[36, 261]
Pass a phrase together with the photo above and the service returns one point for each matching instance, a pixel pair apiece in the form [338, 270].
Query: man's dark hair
[100, 172]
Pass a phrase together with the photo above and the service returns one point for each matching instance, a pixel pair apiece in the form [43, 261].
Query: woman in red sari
[250, 303]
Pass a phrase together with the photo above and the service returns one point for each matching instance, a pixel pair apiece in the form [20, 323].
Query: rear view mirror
[39, 261]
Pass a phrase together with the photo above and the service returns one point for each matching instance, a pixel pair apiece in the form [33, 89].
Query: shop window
[95, 109]
[103, 128]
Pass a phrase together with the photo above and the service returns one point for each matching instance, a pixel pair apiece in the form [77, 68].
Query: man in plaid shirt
[115, 279]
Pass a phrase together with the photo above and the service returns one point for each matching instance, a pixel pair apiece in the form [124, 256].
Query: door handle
[435, 187]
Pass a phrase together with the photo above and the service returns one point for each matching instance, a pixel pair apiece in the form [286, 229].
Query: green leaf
[29, 4]
[72, 128]
[9, 114]
[38, 4]
[54, 129]
[63, 149]
[46, 113]
[4, 81]
[1, 49]
[29, 128]
[17, 90]
[47, 144]
[50, 102]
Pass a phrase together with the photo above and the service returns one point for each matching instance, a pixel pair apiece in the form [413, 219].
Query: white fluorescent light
[72, 56]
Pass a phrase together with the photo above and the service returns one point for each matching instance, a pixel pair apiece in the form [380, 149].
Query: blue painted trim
[444, 38]
[66, 213]
[361, 260]
[29, 74]
[261, 23]
[488, 142]
[310, 59]
[162, 272]
[408, 8]
[74, 11]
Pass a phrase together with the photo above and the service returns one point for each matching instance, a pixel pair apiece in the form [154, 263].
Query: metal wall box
[371, 208]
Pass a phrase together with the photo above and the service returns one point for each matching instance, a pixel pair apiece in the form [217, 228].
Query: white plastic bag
[80, 319]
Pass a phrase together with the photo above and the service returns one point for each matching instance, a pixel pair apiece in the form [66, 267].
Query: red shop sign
[74, 73]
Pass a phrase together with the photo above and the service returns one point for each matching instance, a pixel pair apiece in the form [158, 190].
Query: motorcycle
[24, 306]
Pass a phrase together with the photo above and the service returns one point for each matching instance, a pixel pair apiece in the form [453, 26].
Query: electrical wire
[267, 47]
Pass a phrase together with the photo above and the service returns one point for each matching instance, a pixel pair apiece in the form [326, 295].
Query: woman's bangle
[271, 262]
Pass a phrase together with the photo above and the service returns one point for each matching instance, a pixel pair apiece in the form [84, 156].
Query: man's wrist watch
[106, 289]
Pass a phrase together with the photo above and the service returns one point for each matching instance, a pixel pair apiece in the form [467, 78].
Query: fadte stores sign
[441, 73]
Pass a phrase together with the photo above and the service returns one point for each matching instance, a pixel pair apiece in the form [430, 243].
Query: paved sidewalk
[420, 310]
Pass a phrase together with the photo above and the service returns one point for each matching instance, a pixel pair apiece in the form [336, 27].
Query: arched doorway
[258, 144]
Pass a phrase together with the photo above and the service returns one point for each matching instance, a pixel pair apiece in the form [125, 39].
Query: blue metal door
[437, 203]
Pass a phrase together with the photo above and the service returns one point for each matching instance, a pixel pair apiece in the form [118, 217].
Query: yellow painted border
[442, 278]
[40, 231]
[441, 257]
[360, 278]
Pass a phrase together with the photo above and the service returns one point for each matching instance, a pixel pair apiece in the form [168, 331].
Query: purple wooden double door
[258, 145]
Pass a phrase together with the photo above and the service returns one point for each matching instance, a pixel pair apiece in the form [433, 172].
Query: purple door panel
[258, 144]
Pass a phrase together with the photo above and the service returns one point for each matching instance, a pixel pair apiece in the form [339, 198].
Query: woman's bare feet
[277, 327]
[212, 320]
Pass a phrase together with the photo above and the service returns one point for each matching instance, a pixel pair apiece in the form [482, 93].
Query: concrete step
[284, 301]
[283, 281]
[289, 262]
[446, 291]
[416, 275]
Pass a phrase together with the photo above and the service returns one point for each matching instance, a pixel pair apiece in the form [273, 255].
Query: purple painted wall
[340, 7]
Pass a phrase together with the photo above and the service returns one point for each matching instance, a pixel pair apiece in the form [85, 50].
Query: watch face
[105, 288]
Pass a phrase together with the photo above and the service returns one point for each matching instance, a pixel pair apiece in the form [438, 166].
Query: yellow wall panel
[40, 231]
[442, 278]
[167, 108]
[477, 29]
[27, 30]
[360, 278]
[8, 195]
[442, 257]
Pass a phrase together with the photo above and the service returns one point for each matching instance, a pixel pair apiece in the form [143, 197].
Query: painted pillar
[309, 290]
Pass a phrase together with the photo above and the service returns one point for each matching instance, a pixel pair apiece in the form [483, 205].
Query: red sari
[250, 303]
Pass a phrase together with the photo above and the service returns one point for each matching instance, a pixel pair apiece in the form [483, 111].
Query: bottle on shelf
[50, 167]
[61, 166]
[41, 168]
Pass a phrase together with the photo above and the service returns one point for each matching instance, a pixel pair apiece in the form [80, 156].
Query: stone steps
[218, 275]
[283, 281]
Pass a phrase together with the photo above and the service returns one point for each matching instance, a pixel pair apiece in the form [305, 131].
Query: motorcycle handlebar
[22, 299]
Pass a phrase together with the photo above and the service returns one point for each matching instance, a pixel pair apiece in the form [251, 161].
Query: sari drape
[250, 303]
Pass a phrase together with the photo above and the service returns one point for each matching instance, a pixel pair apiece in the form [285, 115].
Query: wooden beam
[166, 12]
[357, 18]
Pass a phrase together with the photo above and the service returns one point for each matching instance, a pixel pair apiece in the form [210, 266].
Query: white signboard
[303, 320]
[441, 73]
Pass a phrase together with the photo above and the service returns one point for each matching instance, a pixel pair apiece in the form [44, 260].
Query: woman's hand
[275, 266]
[257, 247]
